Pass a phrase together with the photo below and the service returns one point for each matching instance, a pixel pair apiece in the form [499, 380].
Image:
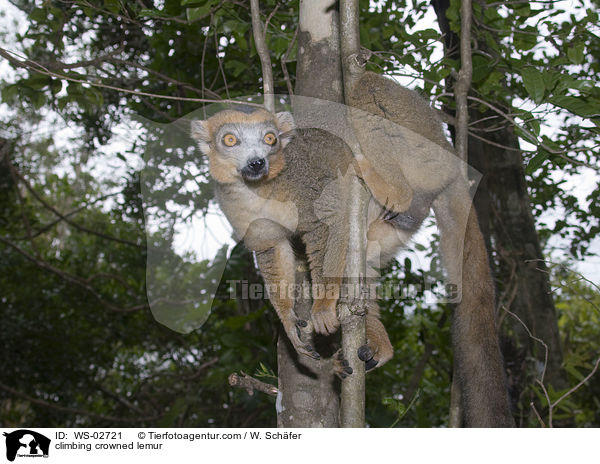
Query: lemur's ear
[200, 133]
[285, 124]
[285, 121]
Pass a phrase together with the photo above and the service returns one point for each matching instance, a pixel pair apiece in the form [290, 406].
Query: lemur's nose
[256, 164]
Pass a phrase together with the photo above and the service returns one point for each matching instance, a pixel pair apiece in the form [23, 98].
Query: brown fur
[476, 351]
[408, 166]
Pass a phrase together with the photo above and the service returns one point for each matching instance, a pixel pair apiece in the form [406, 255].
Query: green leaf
[533, 81]
[236, 67]
[534, 124]
[89, 12]
[550, 79]
[526, 38]
[152, 14]
[575, 53]
[38, 99]
[523, 9]
[193, 14]
[112, 5]
[9, 93]
[480, 68]
[536, 161]
[38, 15]
[37, 81]
[576, 105]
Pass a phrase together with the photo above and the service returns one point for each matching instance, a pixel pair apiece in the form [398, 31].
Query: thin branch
[219, 61]
[69, 221]
[352, 314]
[532, 138]
[250, 384]
[30, 64]
[71, 278]
[537, 414]
[160, 75]
[284, 61]
[118, 398]
[463, 82]
[268, 20]
[56, 65]
[533, 337]
[595, 285]
[496, 144]
[23, 213]
[408, 408]
[572, 390]
[202, 61]
[263, 53]
[51, 224]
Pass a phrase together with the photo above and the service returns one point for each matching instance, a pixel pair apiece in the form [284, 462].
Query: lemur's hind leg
[277, 266]
[378, 349]
[396, 198]
[327, 260]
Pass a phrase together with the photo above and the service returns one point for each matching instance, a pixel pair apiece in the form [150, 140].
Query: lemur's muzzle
[255, 169]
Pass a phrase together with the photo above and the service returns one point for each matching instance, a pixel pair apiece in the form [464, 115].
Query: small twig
[596, 286]
[30, 64]
[202, 69]
[158, 74]
[66, 219]
[268, 20]
[537, 414]
[71, 278]
[408, 408]
[219, 61]
[532, 138]
[250, 384]
[533, 337]
[26, 222]
[584, 380]
[48, 226]
[284, 61]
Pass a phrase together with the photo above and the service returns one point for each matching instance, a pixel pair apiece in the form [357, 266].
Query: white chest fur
[243, 206]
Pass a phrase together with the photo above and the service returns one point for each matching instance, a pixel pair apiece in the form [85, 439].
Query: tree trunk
[309, 389]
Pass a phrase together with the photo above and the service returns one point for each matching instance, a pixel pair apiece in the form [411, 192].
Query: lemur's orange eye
[229, 140]
[270, 138]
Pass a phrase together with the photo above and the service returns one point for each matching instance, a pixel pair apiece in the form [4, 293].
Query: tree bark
[309, 391]
[352, 315]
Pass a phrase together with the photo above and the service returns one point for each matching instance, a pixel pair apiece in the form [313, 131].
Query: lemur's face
[249, 147]
[241, 145]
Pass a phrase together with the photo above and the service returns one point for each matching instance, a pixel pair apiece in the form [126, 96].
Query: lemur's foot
[341, 366]
[366, 354]
[299, 335]
[375, 357]
[324, 316]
